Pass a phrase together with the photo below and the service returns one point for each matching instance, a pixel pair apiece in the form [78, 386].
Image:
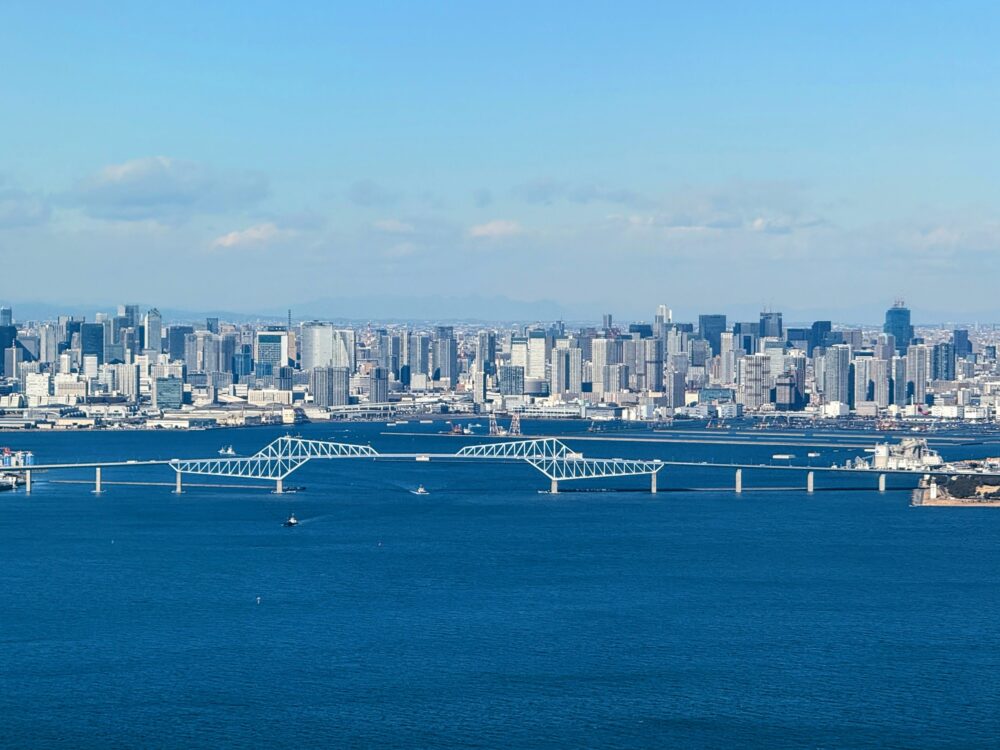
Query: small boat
[420, 491]
[292, 521]
[782, 456]
[426, 421]
[227, 450]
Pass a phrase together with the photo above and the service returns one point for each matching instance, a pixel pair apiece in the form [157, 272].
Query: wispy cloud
[393, 226]
[495, 229]
[369, 194]
[162, 188]
[21, 209]
[255, 236]
[483, 197]
[546, 191]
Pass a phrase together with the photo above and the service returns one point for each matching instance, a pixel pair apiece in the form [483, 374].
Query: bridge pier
[739, 481]
[279, 487]
[881, 482]
[97, 481]
[810, 482]
[27, 481]
[554, 489]
[177, 489]
[652, 483]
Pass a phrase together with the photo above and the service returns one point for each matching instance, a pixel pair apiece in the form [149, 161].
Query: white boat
[423, 457]
[227, 450]
[420, 491]
[426, 421]
[783, 456]
[292, 521]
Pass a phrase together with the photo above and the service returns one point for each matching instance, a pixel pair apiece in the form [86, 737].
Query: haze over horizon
[818, 160]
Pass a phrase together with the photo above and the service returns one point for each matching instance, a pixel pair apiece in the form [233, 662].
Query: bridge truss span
[522, 449]
[550, 456]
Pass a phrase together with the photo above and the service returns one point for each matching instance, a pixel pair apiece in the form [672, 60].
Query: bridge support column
[97, 481]
[177, 488]
[739, 481]
[554, 490]
[279, 486]
[652, 483]
[881, 482]
[27, 481]
[810, 482]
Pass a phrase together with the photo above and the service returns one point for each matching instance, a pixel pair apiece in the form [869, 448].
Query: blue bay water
[487, 614]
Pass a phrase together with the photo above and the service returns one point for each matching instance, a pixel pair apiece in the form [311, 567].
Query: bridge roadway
[550, 456]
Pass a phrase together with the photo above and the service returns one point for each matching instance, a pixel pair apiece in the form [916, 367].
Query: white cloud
[20, 209]
[495, 229]
[260, 234]
[159, 187]
[394, 226]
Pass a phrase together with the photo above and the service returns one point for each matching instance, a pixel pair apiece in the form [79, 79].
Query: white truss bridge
[553, 458]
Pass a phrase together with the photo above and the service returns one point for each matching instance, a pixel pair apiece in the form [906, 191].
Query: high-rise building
[819, 331]
[770, 325]
[486, 352]
[897, 322]
[446, 355]
[378, 390]
[960, 338]
[567, 371]
[6, 316]
[943, 361]
[652, 364]
[8, 335]
[92, 341]
[153, 331]
[538, 354]
[510, 380]
[755, 380]
[316, 342]
[710, 328]
[837, 374]
[330, 386]
[168, 393]
[176, 337]
[271, 351]
[918, 372]
[604, 352]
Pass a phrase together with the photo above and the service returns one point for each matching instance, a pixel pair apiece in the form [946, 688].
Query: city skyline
[660, 152]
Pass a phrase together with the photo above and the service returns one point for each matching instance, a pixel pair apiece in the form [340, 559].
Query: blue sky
[815, 157]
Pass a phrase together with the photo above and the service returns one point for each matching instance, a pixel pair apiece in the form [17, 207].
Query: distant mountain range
[473, 308]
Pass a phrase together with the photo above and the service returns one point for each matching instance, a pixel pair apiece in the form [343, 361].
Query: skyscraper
[446, 355]
[6, 316]
[710, 328]
[897, 322]
[92, 341]
[316, 345]
[486, 352]
[960, 338]
[153, 331]
[755, 380]
[837, 374]
[770, 325]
